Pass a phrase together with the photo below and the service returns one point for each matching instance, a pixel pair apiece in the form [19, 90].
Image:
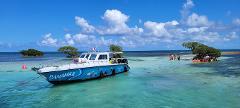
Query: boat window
[102, 57]
[110, 55]
[87, 56]
[92, 57]
[82, 56]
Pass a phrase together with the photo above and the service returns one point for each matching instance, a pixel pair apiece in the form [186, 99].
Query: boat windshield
[82, 56]
[93, 57]
[87, 56]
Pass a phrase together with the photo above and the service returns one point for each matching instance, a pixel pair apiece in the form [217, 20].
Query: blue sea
[152, 82]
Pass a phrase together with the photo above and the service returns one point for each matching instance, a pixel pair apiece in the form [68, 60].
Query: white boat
[88, 66]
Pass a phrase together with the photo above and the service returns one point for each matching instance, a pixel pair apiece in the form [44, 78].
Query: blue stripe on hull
[84, 73]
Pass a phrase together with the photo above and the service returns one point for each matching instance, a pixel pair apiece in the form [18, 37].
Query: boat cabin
[112, 57]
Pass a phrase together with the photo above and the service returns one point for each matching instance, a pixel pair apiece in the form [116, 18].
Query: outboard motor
[122, 60]
[125, 61]
[119, 60]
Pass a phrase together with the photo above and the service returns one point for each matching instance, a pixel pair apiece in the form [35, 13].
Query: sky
[135, 25]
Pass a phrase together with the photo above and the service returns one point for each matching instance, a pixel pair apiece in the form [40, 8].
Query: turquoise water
[152, 82]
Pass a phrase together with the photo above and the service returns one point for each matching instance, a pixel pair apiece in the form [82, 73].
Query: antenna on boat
[94, 49]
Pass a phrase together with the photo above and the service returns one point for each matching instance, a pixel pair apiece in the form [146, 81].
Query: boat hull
[82, 74]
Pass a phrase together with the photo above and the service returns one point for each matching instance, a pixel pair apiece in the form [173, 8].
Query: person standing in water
[170, 57]
[178, 57]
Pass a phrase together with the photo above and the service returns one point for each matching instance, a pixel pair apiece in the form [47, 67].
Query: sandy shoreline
[230, 52]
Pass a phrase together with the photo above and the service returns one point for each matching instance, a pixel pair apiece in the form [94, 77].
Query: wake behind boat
[88, 66]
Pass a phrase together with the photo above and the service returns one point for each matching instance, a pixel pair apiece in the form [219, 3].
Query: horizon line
[127, 50]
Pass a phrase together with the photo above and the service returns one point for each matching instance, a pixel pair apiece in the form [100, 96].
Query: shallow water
[152, 82]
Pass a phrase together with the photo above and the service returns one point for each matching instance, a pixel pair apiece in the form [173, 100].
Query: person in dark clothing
[178, 57]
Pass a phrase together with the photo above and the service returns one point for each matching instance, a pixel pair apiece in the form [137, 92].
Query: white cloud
[106, 42]
[188, 4]
[206, 37]
[186, 9]
[172, 23]
[81, 38]
[191, 27]
[236, 21]
[156, 29]
[84, 25]
[193, 19]
[159, 29]
[48, 40]
[84, 39]
[197, 30]
[128, 42]
[116, 21]
[169, 32]
[231, 36]
[198, 20]
[69, 39]
[115, 17]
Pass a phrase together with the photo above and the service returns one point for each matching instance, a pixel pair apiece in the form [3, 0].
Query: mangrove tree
[202, 50]
[31, 53]
[115, 48]
[69, 51]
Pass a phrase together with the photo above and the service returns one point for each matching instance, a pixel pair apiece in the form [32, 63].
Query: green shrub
[115, 48]
[31, 52]
[202, 50]
[70, 51]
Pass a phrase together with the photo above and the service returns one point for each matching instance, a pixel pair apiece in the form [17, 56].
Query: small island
[31, 53]
[203, 52]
